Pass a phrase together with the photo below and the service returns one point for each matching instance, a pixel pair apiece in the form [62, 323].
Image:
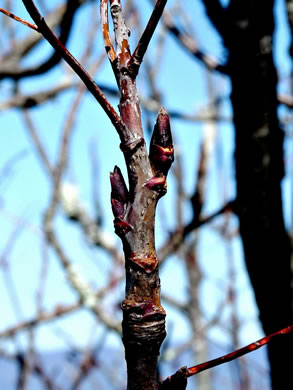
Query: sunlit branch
[179, 379]
[139, 52]
[74, 64]
[105, 29]
[22, 21]
[236, 354]
[121, 36]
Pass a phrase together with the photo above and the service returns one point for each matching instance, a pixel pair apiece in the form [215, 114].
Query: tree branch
[9, 61]
[177, 236]
[54, 59]
[176, 381]
[188, 42]
[14, 17]
[75, 65]
[134, 216]
[139, 52]
[236, 354]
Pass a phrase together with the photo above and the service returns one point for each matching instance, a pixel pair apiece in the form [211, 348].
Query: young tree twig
[20, 20]
[139, 52]
[179, 378]
[75, 65]
[134, 212]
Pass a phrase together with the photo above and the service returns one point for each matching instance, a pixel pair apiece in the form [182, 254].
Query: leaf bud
[119, 194]
[161, 145]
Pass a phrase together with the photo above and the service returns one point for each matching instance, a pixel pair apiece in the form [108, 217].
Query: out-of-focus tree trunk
[247, 30]
[259, 171]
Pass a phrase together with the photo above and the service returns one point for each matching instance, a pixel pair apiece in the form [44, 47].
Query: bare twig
[121, 36]
[178, 380]
[239, 352]
[139, 52]
[188, 42]
[75, 65]
[65, 27]
[25, 45]
[58, 312]
[177, 236]
[14, 17]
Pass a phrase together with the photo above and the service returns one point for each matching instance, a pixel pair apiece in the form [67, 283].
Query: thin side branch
[18, 19]
[236, 354]
[75, 65]
[139, 52]
[189, 43]
[178, 380]
[63, 18]
[177, 236]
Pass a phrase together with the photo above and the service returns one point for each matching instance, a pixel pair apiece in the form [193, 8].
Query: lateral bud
[157, 183]
[122, 227]
[119, 193]
[161, 145]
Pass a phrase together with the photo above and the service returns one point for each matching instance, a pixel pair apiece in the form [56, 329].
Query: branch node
[158, 184]
[122, 227]
[129, 148]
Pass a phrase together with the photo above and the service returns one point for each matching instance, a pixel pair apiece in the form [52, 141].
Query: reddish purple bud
[122, 226]
[161, 146]
[161, 154]
[162, 132]
[156, 183]
[119, 189]
[117, 208]
[119, 194]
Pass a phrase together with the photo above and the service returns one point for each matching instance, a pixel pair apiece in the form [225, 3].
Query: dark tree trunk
[246, 27]
[259, 171]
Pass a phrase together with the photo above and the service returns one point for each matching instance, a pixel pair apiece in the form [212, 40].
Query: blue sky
[25, 194]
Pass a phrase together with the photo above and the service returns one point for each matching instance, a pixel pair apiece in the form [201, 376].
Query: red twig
[236, 354]
[14, 17]
[178, 380]
[45, 30]
[144, 41]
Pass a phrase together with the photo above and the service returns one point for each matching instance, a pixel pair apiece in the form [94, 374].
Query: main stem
[143, 326]
[143, 316]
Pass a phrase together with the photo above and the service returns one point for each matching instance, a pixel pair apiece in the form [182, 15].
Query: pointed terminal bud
[119, 194]
[161, 146]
